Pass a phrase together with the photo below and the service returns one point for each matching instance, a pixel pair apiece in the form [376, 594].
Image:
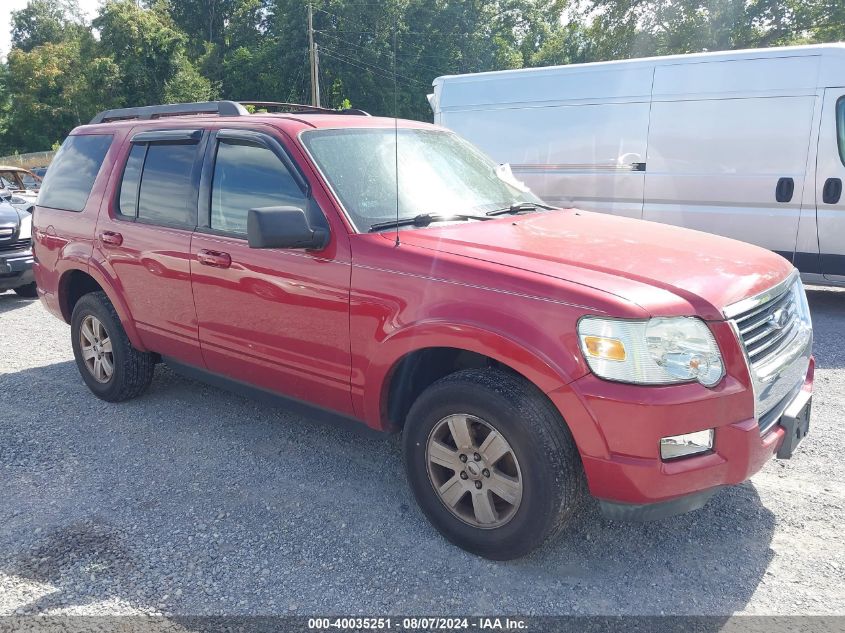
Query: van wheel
[491, 463]
[110, 366]
[29, 291]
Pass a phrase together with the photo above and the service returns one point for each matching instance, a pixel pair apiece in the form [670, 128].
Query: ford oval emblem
[779, 319]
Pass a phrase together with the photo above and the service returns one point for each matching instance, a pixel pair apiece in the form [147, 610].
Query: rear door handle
[111, 238]
[784, 190]
[215, 259]
[832, 190]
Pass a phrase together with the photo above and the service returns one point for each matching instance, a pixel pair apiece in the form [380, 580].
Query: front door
[273, 318]
[830, 176]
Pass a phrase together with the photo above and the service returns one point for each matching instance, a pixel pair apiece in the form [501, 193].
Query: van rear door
[830, 177]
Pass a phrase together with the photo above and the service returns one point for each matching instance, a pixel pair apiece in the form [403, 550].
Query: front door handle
[784, 190]
[832, 190]
[215, 259]
[111, 238]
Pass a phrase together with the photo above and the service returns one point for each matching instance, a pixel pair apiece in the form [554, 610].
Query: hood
[12, 218]
[664, 269]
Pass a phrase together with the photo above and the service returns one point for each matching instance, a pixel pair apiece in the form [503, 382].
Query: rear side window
[248, 176]
[73, 171]
[131, 181]
[157, 183]
[840, 127]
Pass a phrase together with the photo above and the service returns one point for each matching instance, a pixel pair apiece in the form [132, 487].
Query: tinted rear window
[73, 171]
[165, 194]
[131, 180]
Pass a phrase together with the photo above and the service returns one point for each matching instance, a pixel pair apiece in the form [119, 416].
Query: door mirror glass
[284, 227]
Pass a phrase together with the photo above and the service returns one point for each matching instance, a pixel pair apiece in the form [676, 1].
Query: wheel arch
[413, 359]
[77, 282]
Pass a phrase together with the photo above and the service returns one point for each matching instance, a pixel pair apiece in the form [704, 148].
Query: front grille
[766, 329]
[19, 245]
[776, 333]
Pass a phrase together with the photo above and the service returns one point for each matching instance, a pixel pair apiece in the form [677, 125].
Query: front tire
[491, 463]
[113, 370]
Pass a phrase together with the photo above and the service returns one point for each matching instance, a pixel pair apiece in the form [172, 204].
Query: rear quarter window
[840, 127]
[71, 176]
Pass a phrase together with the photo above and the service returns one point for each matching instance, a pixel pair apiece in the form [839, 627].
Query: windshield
[439, 173]
[29, 181]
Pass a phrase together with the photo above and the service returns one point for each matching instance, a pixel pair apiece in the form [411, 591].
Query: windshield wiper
[424, 219]
[519, 207]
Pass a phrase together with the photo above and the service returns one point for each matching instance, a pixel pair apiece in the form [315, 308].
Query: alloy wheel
[474, 471]
[96, 348]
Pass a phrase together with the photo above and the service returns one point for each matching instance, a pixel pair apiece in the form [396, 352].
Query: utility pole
[313, 61]
[317, 73]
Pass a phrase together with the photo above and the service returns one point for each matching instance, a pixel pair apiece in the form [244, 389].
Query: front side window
[70, 179]
[165, 193]
[439, 173]
[248, 176]
[840, 127]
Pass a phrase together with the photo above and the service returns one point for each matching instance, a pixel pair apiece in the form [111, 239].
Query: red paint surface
[330, 327]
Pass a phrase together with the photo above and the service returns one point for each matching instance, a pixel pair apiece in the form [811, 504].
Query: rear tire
[541, 468]
[29, 291]
[113, 369]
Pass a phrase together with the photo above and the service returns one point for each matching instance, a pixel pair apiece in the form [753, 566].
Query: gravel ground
[192, 500]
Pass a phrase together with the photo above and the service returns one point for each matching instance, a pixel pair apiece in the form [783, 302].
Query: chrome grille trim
[775, 333]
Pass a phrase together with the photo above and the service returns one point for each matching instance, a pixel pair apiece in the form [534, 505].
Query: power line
[412, 64]
[389, 71]
[383, 73]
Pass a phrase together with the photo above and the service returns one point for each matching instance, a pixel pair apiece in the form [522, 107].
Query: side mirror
[283, 227]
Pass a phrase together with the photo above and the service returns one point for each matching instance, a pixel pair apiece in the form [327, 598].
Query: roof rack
[301, 108]
[219, 108]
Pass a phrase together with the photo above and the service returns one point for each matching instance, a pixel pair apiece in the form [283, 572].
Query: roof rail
[220, 108]
[302, 108]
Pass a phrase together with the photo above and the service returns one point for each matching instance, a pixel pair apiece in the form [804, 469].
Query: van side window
[128, 204]
[71, 176]
[247, 176]
[164, 196]
[840, 127]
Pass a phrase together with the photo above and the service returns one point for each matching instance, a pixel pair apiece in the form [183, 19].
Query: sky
[7, 6]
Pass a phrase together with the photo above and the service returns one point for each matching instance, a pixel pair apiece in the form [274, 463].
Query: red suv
[530, 355]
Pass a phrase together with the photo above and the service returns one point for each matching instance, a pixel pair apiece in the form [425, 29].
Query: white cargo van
[747, 144]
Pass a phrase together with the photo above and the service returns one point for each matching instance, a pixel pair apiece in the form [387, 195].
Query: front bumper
[621, 454]
[16, 270]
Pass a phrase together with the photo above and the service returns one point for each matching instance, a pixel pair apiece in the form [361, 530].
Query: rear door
[145, 239]
[830, 176]
[273, 318]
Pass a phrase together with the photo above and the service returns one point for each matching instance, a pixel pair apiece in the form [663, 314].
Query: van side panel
[586, 156]
[715, 164]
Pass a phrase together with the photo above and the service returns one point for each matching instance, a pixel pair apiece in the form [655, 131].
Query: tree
[46, 22]
[151, 52]
[55, 87]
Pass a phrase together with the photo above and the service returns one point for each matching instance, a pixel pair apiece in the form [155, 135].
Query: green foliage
[62, 70]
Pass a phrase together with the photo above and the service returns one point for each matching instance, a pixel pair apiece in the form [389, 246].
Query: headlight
[654, 352]
[17, 200]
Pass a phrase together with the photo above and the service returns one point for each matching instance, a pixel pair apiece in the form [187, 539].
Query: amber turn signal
[603, 347]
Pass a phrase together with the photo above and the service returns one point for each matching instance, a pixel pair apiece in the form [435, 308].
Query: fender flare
[537, 368]
[105, 281]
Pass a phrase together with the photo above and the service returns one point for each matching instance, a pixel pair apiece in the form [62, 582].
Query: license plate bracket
[796, 423]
